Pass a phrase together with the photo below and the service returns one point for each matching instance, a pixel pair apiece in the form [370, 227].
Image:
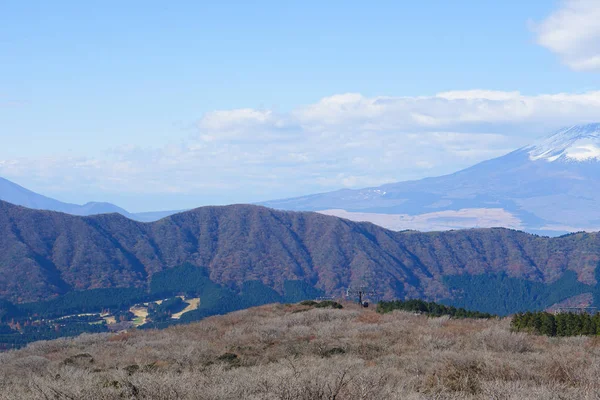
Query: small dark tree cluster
[329, 304]
[125, 315]
[430, 308]
[164, 310]
[561, 324]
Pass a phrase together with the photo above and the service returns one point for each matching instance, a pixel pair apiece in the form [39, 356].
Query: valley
[19, 328]
[178, 296]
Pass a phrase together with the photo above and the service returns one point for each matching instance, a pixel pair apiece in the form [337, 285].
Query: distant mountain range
[551, 187]
[15, 194]
[44, 254]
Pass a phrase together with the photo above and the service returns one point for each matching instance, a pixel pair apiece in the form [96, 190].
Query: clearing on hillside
[193, 304]
[141, 313]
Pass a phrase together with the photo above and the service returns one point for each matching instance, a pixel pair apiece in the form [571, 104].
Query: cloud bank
[345, 140]
[573, 33]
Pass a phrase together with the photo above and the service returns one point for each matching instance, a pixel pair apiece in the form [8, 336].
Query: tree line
[560, 324]
[430, 308]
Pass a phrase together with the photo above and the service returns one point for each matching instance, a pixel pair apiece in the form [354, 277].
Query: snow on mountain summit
[575, 144]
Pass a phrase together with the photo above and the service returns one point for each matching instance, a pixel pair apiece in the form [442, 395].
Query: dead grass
[193, 304]
[297, 353]
[141, 313]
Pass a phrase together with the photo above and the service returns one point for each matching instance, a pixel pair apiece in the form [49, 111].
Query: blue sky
[156, 106]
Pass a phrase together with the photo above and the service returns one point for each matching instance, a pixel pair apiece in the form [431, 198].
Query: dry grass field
[193, 304]
[297, 353]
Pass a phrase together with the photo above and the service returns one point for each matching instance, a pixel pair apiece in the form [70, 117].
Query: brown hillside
[296, 353]
[43, 253]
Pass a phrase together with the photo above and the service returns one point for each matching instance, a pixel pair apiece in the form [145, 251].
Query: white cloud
[235, 125]
[457, 110]
[346, 140]
[573, 32]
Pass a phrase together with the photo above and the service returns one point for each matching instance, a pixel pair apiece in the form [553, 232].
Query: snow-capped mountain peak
[575, 144]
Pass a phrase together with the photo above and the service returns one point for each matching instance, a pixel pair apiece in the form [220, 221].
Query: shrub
[329, 304]
[333, 351]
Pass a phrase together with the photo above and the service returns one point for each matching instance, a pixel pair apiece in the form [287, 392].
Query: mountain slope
[296, 353]
[15, 194]
[552, 185]
[43, 253]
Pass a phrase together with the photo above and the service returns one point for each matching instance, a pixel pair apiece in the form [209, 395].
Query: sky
[157, 106]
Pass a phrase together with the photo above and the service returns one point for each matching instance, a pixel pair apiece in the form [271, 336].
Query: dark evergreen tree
[560, 324]
[432, 309]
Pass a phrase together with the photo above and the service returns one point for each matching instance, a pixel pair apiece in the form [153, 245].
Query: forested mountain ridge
[43, 254]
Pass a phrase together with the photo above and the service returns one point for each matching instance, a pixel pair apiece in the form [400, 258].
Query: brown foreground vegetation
[299, 353]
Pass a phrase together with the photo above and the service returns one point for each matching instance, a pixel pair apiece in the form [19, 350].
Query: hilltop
[296, 352]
